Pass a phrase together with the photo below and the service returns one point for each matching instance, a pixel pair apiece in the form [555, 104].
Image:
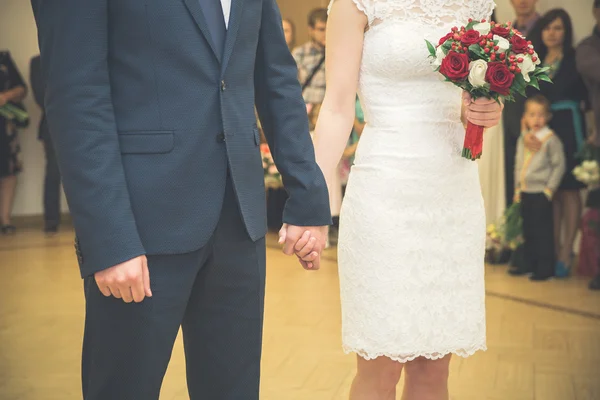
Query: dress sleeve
[362, 5]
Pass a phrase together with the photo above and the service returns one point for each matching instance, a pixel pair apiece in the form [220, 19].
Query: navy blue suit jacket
[147, 118]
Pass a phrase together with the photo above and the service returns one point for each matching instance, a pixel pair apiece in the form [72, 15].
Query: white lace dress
[412, 229]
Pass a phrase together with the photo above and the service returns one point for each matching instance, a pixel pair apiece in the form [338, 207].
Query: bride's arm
[345, 30]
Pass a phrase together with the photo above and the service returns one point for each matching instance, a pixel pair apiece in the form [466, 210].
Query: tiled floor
[544, 339]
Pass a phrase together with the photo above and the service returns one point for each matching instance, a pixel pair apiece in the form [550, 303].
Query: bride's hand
[482, 112]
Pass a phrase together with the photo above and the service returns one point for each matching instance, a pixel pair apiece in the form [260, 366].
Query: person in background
[289, 30]
[12, 90]
[567, 94]
[310, 58]
[52, 177]
[588, 65]
[537, 177]
[527, 18]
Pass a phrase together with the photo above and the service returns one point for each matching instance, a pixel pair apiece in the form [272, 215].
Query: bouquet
[272, 175]
[488, 60]
[588, 172]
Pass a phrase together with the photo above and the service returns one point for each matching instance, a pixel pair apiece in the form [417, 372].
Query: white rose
[439, 56]
[483, 28]
[527, 66]
[503, 43]
[477, 71]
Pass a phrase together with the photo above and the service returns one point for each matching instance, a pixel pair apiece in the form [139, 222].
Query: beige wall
[297, 11]
[18, 34]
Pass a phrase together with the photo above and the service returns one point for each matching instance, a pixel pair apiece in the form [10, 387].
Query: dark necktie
[213, 13]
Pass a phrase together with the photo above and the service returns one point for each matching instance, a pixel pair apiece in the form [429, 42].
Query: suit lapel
[235, 18]
[196, 10]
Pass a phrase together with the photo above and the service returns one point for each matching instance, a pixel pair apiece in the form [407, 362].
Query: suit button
[221, 137]
[223, 86]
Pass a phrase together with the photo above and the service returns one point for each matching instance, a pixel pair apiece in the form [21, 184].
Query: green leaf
[534, 82]
[431, 48]
[476, 50]
[520, 80]
[471, 24]
[544, 78]
[539, 71]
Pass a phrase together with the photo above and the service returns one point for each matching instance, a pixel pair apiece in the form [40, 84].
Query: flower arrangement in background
[508, 231]
[488, 60]
[588, 172]
[272, 175]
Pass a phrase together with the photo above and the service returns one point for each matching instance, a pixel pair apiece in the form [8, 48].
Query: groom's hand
[129, 281]
[307, 242]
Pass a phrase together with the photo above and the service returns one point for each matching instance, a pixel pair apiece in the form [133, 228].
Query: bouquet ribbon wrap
[473, 146]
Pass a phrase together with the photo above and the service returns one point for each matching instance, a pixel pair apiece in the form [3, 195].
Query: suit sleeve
[283, 116]
[73, 39]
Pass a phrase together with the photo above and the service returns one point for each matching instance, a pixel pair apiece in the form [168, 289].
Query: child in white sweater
[537, 177]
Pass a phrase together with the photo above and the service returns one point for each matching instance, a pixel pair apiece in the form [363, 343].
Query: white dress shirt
[226, 4]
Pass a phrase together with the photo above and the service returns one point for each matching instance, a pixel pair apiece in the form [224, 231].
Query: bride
[412, 231]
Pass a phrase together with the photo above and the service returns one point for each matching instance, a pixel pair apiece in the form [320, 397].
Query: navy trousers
[215, 294]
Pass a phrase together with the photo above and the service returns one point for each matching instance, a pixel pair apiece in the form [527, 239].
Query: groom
[151, 109]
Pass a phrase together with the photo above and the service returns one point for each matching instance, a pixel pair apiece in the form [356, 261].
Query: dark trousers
[51, 187]
[538, 233]
[215, 294]
[511, 120]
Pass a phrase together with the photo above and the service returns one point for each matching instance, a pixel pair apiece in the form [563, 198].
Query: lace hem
[464, 353]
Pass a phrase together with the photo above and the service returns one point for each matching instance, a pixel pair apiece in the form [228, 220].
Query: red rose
[470, 37]
[519, 45]
[445, 38]
[501, 31]
[499, 77]
[455, 66]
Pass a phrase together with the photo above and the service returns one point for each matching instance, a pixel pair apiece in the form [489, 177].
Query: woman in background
[289, 30]
[567, 94]
[12, 90]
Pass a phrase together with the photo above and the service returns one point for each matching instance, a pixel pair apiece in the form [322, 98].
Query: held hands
[129, 281]
[307, 242]
[482, 112]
